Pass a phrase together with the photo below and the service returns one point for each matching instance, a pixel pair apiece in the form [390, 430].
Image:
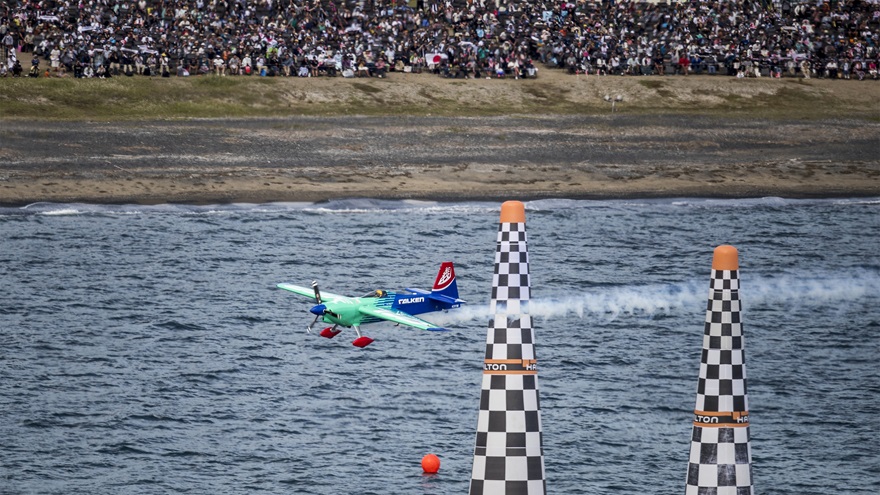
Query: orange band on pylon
[511, 372]
[524, 362]
[510, 366]
[727, 419]
[725, 258]
[513, 212]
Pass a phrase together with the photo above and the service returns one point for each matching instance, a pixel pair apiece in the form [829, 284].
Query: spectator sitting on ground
[607, 36]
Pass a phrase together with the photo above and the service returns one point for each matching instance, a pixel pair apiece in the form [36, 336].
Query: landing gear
[329, 333]
[362, 341]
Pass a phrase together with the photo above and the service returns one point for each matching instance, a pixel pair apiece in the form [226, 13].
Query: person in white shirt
[219, 66]
[55, 59]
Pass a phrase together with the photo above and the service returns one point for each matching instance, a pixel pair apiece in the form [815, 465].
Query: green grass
[786, 102]
[134, 98]
[367, 88]
[651, 83]
[141, 98]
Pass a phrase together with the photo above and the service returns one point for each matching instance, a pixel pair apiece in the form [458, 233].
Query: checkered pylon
[509, 456]
[720, 460]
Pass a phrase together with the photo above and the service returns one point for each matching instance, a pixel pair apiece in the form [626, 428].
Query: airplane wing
[310, 292]
[401, 317]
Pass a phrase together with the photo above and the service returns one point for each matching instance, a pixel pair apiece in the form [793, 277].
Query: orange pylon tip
[725, 258]
[513, 212]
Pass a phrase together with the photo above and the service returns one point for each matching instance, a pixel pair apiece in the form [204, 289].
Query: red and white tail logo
[445, 276]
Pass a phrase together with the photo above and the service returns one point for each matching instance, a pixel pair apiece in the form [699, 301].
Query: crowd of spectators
[452, 38]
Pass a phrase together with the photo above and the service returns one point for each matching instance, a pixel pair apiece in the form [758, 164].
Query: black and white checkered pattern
[509, 455]
[510, 338]
[720, 461]
[510, 283]
[722, 384]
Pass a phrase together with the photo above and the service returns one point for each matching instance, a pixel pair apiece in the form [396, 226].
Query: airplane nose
[318, 310]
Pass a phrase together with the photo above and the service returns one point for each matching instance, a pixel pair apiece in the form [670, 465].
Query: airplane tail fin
[445, 284]
[445, 290]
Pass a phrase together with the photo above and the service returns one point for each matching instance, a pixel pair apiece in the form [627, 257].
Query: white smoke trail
[648, 301]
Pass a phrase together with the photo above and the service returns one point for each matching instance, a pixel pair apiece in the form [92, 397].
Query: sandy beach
[636, 152]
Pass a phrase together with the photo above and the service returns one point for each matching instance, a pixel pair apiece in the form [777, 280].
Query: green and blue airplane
[381, 305]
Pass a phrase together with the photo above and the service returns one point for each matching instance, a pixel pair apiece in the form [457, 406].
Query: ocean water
[144, 349]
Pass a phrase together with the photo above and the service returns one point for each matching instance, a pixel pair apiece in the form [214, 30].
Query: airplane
[379, 305]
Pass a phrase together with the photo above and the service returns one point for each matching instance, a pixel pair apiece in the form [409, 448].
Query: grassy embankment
[141, 98]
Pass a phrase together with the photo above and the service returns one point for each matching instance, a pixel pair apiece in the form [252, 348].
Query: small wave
[62, 211]
[38, 423]
[771, 201]
[256, 357]
[705, 203]
[348, 206]
[729, 203]
[355, 206]
[365, 205]
[47, 347]
[176, 325]
[122, 448]
[251, 319]
[186, 453]
[857, 201]
[156, 418]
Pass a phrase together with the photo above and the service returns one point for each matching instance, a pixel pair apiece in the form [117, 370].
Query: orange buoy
[430, 463]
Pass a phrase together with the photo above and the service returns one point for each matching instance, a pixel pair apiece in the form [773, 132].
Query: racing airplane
[379, 305]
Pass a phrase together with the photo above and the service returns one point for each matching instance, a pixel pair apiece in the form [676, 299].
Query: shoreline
[685, 137]
[180, 190]
[431, 158]
[500, 198]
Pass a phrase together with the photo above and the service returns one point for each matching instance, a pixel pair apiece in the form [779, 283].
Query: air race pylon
[720, 460]
[509, 454]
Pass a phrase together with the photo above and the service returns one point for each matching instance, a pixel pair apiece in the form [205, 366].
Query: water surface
[146, 350]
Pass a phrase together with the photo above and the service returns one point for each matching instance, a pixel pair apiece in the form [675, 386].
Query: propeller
[319, 309]
[317, 292]
[318, 314]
